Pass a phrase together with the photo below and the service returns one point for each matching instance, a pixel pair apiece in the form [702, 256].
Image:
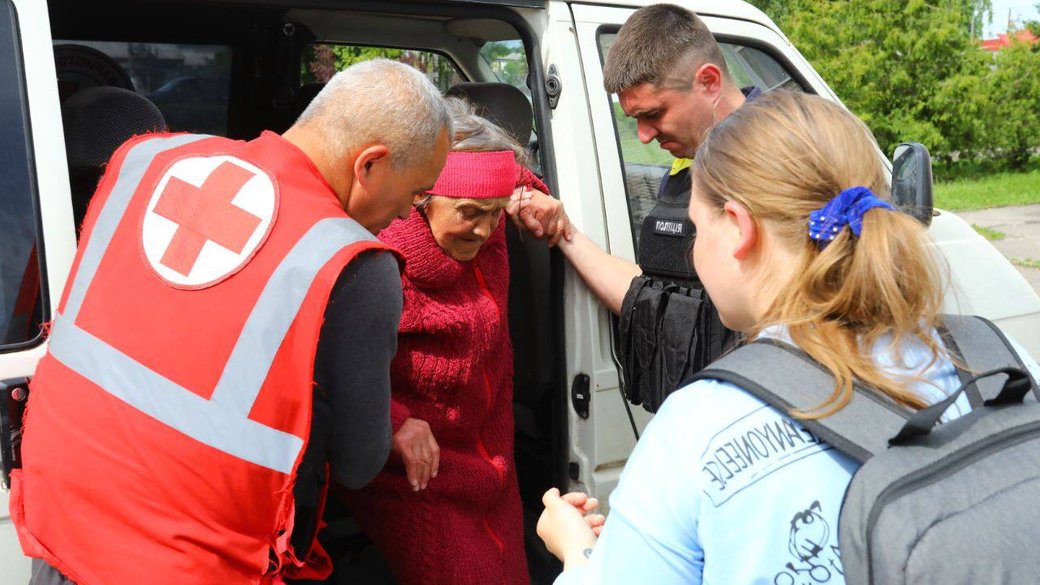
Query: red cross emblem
[197, 215]
[205, 214]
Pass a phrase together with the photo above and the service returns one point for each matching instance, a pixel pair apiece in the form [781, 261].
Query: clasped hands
[567, 526]
[540, 215]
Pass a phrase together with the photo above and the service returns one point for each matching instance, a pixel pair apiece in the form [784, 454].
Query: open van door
[630, 173]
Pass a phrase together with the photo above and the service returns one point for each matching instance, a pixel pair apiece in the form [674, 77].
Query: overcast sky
[1020, 10]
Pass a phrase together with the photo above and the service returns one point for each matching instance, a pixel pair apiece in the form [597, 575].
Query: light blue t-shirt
[723, 489]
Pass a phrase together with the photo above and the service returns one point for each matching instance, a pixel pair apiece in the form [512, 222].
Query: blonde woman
[861, 295]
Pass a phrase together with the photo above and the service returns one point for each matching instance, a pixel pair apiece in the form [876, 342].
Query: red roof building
[1003, 40]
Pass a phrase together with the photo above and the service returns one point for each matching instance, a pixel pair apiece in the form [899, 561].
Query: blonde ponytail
[786, 155]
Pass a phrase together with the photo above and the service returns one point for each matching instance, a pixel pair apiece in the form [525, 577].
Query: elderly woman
[446, 508]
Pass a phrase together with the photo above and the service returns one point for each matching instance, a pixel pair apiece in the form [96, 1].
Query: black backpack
[957, 503]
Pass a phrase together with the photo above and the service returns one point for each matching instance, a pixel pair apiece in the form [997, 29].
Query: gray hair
[473, 133]
[380, 101]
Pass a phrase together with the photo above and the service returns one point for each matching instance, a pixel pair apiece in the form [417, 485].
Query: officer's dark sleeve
[352, 367]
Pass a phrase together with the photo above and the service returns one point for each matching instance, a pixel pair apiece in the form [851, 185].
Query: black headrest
[501, 103]
[99, 119]
[79, 67]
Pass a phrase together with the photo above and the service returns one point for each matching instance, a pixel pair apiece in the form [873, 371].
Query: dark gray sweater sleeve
[352, 366]
[351, 424]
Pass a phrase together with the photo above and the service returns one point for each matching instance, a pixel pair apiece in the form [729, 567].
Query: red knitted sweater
[454, 370]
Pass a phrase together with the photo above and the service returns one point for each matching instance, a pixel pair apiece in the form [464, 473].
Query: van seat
[97, 121]
[501, 103]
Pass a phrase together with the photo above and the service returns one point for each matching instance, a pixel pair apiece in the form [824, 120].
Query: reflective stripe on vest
[222, 421]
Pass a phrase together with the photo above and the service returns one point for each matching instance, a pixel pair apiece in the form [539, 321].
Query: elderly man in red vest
[227, 329]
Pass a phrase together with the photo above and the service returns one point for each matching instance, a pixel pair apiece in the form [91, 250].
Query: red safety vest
[168, 418]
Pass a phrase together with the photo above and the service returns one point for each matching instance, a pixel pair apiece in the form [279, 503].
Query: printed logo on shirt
[663, 227]
[750, 449]
[816, 558]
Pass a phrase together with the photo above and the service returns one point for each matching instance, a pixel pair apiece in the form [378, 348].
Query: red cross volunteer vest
[173, 406]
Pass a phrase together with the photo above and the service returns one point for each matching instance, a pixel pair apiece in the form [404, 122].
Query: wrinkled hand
[539, 214]
[415, 444]
[565, 529]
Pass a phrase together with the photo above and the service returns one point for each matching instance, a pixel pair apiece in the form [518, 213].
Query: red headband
[478, 175]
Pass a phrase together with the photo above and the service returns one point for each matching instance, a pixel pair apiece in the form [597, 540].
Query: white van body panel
[52, 174]
[983, 282]
[59, 236]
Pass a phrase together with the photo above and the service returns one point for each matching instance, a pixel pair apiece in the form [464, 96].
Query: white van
[235, 67]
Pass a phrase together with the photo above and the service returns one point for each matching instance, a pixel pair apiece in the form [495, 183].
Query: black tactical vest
[669, 329]
[666, 238]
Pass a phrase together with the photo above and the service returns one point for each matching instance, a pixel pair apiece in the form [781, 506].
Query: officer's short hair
[655, 40]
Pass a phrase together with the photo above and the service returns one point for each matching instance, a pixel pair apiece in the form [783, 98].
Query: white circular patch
[206, 218]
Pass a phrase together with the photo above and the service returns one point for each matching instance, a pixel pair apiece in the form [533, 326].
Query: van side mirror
[912, 181]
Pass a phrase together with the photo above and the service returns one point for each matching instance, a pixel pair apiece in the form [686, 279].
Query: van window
[645, 165]
[189, 83]
[753, 67]
[508, 62]
[20, 286]
[322, 60]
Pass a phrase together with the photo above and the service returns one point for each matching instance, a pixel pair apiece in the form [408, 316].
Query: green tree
[976, 14]
[1014, 82]
[888, 60]
[912, 70]
[1033, 24]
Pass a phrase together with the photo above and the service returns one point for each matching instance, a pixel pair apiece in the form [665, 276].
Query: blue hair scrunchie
[846, 209]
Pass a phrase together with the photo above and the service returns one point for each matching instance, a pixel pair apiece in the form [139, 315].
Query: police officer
[670, 75]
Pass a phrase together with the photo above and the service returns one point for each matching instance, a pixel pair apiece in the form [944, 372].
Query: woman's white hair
[380, 102]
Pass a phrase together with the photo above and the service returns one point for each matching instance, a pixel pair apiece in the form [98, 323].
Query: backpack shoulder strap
[981, 346]
[787, 379]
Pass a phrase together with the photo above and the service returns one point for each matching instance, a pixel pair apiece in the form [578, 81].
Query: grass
[988, 233]
[1026, 263]
[1000, 190]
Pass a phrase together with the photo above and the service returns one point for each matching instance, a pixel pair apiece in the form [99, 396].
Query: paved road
[1022, 227]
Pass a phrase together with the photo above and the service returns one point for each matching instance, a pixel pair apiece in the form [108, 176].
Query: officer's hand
[539, 214]
[564, 530]
[415, 444]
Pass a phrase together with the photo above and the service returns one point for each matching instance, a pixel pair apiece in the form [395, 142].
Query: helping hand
[539, 214]
[415, 444]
